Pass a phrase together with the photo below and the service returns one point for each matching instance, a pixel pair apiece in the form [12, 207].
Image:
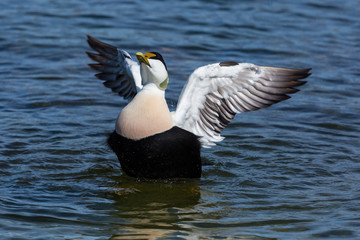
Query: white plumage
[213, 94]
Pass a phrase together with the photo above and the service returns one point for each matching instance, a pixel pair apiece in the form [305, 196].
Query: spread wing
[215, 93]
[117, 69]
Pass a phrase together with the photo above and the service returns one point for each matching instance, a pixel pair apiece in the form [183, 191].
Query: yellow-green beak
[143, 58]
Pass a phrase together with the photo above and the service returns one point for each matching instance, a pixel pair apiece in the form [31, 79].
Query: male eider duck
[152, 142]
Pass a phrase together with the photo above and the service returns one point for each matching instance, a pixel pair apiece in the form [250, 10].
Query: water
[291, 171]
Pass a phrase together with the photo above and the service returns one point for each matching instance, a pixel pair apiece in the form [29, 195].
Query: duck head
[153, 69]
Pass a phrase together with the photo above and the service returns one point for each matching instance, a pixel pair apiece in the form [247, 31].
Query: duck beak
[143, 58]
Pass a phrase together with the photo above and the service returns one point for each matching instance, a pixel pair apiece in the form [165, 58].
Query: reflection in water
[153, 209]
[290, 172]
[168, 209]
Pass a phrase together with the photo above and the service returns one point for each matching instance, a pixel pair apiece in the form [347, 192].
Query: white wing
[116, 67]
[215, 93]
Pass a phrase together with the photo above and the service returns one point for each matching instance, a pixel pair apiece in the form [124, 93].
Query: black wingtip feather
[97, 67]
[300, 83]
[105, 50]
[106, 76]
[94, 43]
[304, 73]
[110, 68]
[96, 57]
[93, 56]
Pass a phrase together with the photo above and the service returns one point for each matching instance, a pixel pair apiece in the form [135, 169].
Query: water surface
[291, 171]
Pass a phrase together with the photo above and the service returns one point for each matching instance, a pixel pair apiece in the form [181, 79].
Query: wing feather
[215, 93]
[117, 69]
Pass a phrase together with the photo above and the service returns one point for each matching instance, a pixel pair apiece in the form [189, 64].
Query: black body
[174, 153]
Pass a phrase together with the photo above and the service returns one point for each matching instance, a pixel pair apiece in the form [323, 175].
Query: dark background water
[291, 171]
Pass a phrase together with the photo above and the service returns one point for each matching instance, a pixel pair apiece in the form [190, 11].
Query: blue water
[291, 171]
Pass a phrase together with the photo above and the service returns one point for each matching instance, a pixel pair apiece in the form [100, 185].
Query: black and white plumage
[209, 101]
[116, 68]
[216, 92]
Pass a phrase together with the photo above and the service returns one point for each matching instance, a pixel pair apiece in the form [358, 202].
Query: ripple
[337, 233]
[288, 171]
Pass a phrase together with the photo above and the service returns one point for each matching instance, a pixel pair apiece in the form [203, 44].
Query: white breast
[147, 114]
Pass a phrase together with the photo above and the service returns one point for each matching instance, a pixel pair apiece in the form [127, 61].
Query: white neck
[147, 114]
[152, 89]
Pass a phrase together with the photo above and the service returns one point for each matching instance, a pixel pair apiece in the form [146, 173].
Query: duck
[153, 143]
